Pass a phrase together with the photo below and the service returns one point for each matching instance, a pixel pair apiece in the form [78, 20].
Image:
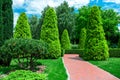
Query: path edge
[66, 69]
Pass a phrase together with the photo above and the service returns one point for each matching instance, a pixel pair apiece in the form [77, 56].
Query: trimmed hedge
[114, 52]
[25, 75]
[74, 51]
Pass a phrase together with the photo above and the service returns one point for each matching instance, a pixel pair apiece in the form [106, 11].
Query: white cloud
[36, 6]
[116, 1]
[77, 3]
[16, 15]
[18, 3]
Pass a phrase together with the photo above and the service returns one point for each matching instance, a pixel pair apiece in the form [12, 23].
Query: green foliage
[22, 29]
[24, 49]
[1, 31]
[82, 38]
[65, 41]
[110, 22]
[25, 75]
[74, 51]
[74, 46]
[49, 33]
[81, 20]
[95, 46]
[114, 52]
[6, 20]
[66, 18]
[33, 21]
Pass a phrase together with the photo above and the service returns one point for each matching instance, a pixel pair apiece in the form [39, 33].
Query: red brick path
[82, 70]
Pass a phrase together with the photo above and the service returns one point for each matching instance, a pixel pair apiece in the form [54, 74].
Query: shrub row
[25, 75]
[74, 51]
[113, 52]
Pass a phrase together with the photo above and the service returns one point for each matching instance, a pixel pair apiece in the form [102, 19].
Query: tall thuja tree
[66, 19]
[65, 41]
[1, 31]
[22, 29]
[96, 45]
[40, 22]
[82, 38]
[7, 19]
[50, 34]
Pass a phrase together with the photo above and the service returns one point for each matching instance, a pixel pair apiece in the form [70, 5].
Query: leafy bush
[65, 41]
[50, 34]
[114, 52]
[28, 50]
[25, 75]
[5, 60]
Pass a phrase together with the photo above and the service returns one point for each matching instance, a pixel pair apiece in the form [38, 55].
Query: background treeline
[72, 20]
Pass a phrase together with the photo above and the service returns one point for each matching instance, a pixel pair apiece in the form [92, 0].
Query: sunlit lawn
[112, 65]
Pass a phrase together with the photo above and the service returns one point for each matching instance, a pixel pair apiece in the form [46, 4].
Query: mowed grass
[112, 65]
[54, 68]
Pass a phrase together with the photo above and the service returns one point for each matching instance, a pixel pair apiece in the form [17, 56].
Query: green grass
[112, 65]
[54, 68]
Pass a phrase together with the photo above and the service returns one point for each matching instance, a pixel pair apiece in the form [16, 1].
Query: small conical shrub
[65, 41]
[22, 29]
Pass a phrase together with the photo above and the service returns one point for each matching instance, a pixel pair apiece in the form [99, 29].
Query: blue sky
[36, 6]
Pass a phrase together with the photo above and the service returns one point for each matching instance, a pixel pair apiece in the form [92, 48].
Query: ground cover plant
[112, 65]
[54, 68]
[25, 75]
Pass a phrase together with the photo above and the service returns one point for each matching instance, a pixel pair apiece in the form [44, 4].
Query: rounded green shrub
[65, 41]
[25, 75]
[96, 47]
[82, 38]
[49, 33]
[24, 49]
[22, 28]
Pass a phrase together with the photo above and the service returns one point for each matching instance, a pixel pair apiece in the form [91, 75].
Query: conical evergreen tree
[7, 19]
[65, 41]
[1, 31]
[82, 38]
[22, 29]
[96, 47]
[49, 33]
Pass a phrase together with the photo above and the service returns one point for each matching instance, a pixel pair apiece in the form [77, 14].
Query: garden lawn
[112, 65]
[55, 69]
